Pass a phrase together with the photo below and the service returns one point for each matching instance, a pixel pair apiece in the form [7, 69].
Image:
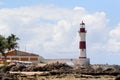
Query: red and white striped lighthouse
[82, 43]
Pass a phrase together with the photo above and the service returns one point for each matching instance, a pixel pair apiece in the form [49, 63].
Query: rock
[7, 78]
[117, 78]
[56, 66]
[17, 68]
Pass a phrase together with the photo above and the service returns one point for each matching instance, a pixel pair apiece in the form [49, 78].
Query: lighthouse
[82, 43]
[83, 60]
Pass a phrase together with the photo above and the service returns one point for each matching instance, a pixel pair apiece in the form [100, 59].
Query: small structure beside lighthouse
[83, 60]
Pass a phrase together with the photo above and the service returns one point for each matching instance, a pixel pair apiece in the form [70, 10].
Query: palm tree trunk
[5, 60]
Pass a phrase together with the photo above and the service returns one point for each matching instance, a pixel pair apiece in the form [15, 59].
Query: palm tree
[12, 42]
[2, 45]
[7, 44]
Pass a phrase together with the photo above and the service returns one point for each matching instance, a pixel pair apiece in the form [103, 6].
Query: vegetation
[7, 44]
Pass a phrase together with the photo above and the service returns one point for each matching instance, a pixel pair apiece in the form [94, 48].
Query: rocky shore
[59, 71]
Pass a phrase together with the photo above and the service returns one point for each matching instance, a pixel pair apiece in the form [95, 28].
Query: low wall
[84, 61]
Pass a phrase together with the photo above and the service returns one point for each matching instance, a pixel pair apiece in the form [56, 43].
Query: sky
[50, 27]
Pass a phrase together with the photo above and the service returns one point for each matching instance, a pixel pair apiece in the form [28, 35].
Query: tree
[12, 42]
[7, 44]
[2, 45]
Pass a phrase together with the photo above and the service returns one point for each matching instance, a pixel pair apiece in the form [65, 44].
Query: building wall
[34, 59]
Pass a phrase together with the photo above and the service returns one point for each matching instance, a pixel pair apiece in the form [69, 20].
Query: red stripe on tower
[82, 30]
[82, 45]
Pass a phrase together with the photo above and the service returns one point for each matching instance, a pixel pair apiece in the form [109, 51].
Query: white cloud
[4, 29]
[115, 33]
[49, 29]
[113, 44]
[79, 9]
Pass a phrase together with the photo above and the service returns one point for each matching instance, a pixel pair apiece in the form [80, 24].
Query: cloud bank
[53, 32]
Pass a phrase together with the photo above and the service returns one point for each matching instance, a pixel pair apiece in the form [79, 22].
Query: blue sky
[50, 27]
[109, 6]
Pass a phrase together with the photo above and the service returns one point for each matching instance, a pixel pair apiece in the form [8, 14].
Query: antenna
[26, 46]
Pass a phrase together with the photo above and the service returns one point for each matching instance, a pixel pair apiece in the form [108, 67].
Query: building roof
[20, 53]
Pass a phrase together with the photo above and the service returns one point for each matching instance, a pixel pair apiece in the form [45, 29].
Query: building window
[33, 59]
[24, 59]
[14, 58]
[8, 58]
